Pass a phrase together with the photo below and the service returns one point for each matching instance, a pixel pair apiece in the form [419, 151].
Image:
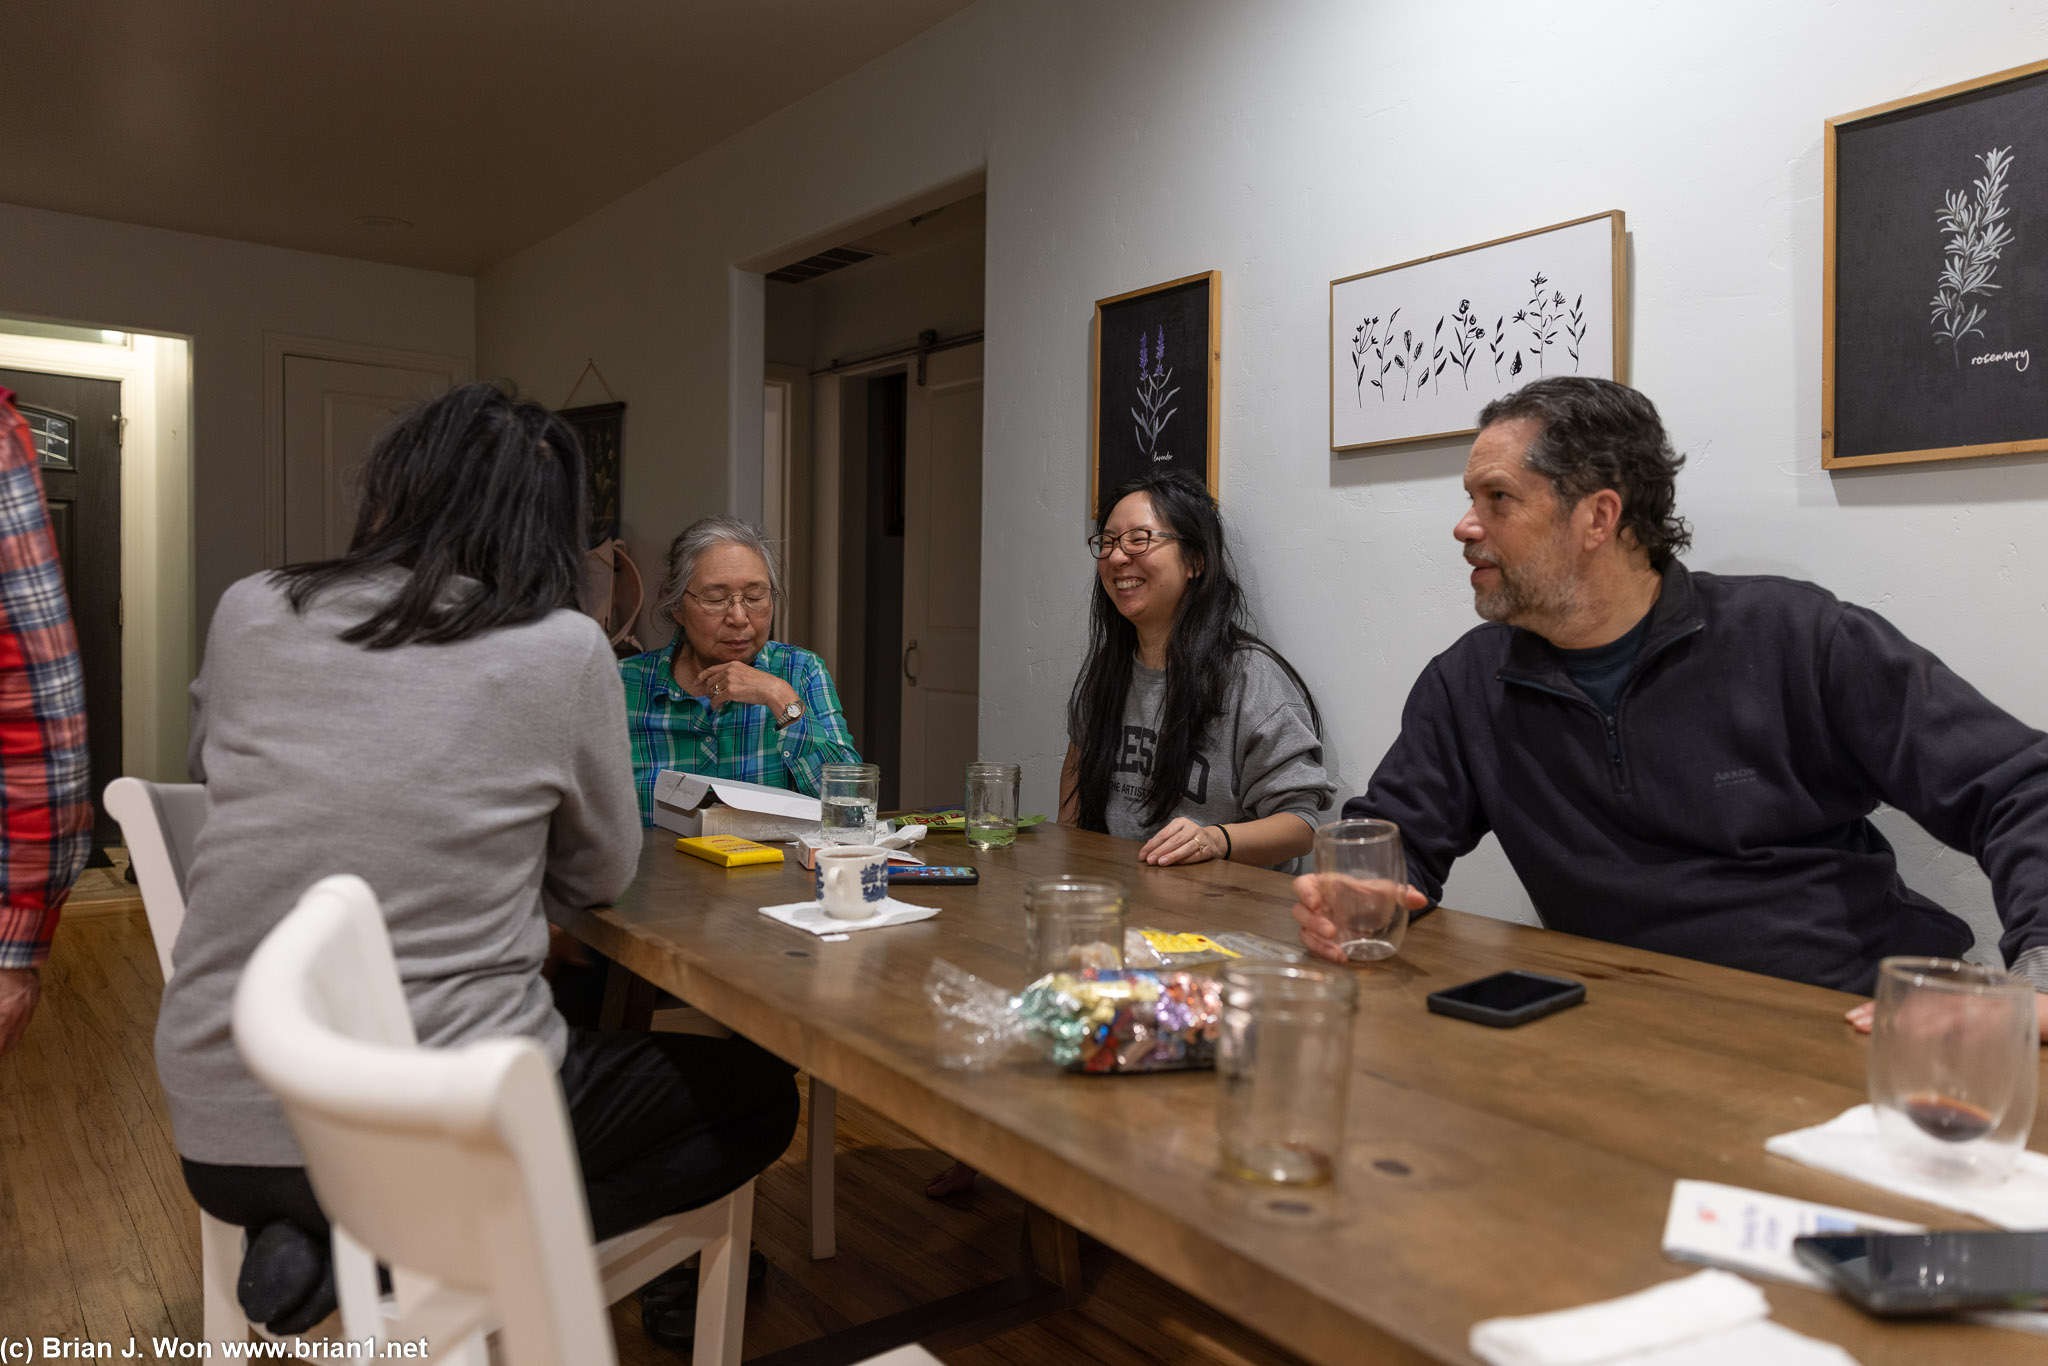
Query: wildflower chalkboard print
[1416, 350]
[1935, 282]
[1156, 367]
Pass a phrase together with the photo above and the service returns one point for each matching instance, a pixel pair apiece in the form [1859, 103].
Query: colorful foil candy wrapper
[1108, 1020]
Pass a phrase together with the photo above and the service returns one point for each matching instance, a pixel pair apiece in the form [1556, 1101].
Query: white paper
[1848, 1145]
[810, 916]
[1752, 1232]
[688, 791]
[1703, 1305]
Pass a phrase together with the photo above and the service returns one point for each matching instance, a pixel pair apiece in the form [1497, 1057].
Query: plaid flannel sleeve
[819, 737]
[46, 813]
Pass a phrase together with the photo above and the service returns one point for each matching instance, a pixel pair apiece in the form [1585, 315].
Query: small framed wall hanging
[1158, 354]
[1416, 350]
[1935, 278]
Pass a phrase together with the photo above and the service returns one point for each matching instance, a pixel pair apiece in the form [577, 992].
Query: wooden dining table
[1484, 1171]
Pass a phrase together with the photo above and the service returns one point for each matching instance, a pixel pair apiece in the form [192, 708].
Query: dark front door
[77, 429]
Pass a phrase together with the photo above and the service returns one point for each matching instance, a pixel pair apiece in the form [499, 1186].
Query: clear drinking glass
[1283, 1063]
[1362, 871]
[1074, 922]
[1954, 1064]
[992, 805]
[850, 794]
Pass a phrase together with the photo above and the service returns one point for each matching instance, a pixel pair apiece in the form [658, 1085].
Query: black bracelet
[1224, 830]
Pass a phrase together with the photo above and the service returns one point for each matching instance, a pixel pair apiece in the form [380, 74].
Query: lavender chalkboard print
[1490, 318]
[1156, 382]
[1973, 224]
[1151, 415]
[1934, 294]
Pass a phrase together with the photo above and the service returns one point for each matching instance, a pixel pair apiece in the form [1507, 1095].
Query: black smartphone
[1898, 1274]
[933, 876]
[1507, 999]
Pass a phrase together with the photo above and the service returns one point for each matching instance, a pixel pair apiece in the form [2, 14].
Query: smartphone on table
[931, 875]
[1507, 999]
[1905, 1274]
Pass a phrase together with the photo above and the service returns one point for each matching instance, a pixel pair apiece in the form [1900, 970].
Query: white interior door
[941, 656]
[334, 411]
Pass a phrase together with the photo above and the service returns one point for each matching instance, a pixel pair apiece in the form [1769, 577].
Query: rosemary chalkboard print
[1416, 350]
[601, 427]
[1936, 278]
[1157, 359]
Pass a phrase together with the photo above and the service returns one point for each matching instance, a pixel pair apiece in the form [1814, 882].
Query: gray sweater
[1259, 757]
[469, 784]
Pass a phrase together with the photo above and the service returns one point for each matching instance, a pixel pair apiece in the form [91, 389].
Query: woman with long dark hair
[1186, 730]
[431, 712]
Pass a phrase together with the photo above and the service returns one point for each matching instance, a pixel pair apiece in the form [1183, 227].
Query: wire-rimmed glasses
[757, 601]
[1136, 542]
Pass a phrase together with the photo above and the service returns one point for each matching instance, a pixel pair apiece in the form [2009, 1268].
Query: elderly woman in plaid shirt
[721, 697]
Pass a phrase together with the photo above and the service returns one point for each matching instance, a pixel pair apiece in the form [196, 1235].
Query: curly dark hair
[1601, 435]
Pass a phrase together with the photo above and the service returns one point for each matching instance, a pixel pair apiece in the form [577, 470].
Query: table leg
[628, 1000]
[1053, 1252]
[821, 1146]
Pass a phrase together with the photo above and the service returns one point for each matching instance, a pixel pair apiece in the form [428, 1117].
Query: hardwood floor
[99, 1241]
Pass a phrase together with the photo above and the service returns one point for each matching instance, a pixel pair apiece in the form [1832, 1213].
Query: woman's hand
[733, 681]
[1318, 931]
[1183, 841]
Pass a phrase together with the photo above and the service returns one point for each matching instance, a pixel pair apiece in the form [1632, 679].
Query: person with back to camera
[1186, 730]
[721, 697]
[431, 712]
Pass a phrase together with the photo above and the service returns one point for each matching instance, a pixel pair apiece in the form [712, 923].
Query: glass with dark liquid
[1954, 1064]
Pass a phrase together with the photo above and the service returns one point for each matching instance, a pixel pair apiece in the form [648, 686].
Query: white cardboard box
[699, 804]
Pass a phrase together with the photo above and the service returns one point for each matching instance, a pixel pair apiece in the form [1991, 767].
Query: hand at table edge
[1864, 1014]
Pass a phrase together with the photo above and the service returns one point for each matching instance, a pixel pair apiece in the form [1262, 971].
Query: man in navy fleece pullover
[1688, 762]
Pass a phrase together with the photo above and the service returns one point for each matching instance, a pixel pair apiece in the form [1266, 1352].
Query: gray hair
[698, 539]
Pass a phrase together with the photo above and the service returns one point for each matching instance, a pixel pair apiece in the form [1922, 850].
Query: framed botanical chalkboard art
[1416, 350]
[1935, 287]
[1157, 358]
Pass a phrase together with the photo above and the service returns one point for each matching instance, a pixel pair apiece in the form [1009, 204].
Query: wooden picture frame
[1396, 377]
[1933, 288]
[1141, 418]
[601, 427]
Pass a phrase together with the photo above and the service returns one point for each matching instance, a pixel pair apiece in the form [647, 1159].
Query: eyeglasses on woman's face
[1134, 543]
[757, 601]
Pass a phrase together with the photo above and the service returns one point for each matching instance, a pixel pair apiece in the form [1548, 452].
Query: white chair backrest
[160, 822]
[451, 1164]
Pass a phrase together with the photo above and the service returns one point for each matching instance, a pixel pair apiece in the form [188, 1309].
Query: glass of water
[1283, 1065]
[1071, 923]
[1362, 872]
[849, 797]
[992, 805]
[1954, 1067]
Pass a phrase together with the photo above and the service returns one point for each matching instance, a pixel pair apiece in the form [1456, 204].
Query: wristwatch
[788, 714]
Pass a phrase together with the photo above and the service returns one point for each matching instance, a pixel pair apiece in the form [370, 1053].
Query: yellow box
[728, 851]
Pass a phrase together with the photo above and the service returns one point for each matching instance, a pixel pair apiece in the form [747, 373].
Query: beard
[1534, 590]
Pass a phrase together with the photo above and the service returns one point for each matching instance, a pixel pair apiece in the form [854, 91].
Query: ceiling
[447, 134]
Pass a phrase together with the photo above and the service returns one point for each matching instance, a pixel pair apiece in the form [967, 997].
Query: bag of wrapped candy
[1111, 1020]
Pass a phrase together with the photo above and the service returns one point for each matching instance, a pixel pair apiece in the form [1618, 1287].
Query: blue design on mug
[874, 882]
[818, 881]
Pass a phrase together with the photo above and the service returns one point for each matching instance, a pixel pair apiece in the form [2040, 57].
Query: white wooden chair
[160, 822]
[455, 1166]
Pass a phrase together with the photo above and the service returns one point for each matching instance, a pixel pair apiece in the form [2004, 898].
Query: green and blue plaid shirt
[671, 729]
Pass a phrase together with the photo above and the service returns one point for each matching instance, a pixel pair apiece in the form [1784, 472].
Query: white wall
[223, 297]
[1287, 143]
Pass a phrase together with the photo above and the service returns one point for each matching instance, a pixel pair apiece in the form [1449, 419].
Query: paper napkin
[809, 915]
[1848, 1145]
[1706, 1319]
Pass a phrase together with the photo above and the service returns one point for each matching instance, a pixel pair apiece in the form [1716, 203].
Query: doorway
[76, 425]
[881, 490]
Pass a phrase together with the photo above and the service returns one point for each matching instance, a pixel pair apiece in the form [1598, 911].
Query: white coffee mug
[851, 881]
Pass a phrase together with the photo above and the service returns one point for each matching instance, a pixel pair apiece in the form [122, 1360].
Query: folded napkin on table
[1848, 1145]
[809, 915]
[1706, 1319]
